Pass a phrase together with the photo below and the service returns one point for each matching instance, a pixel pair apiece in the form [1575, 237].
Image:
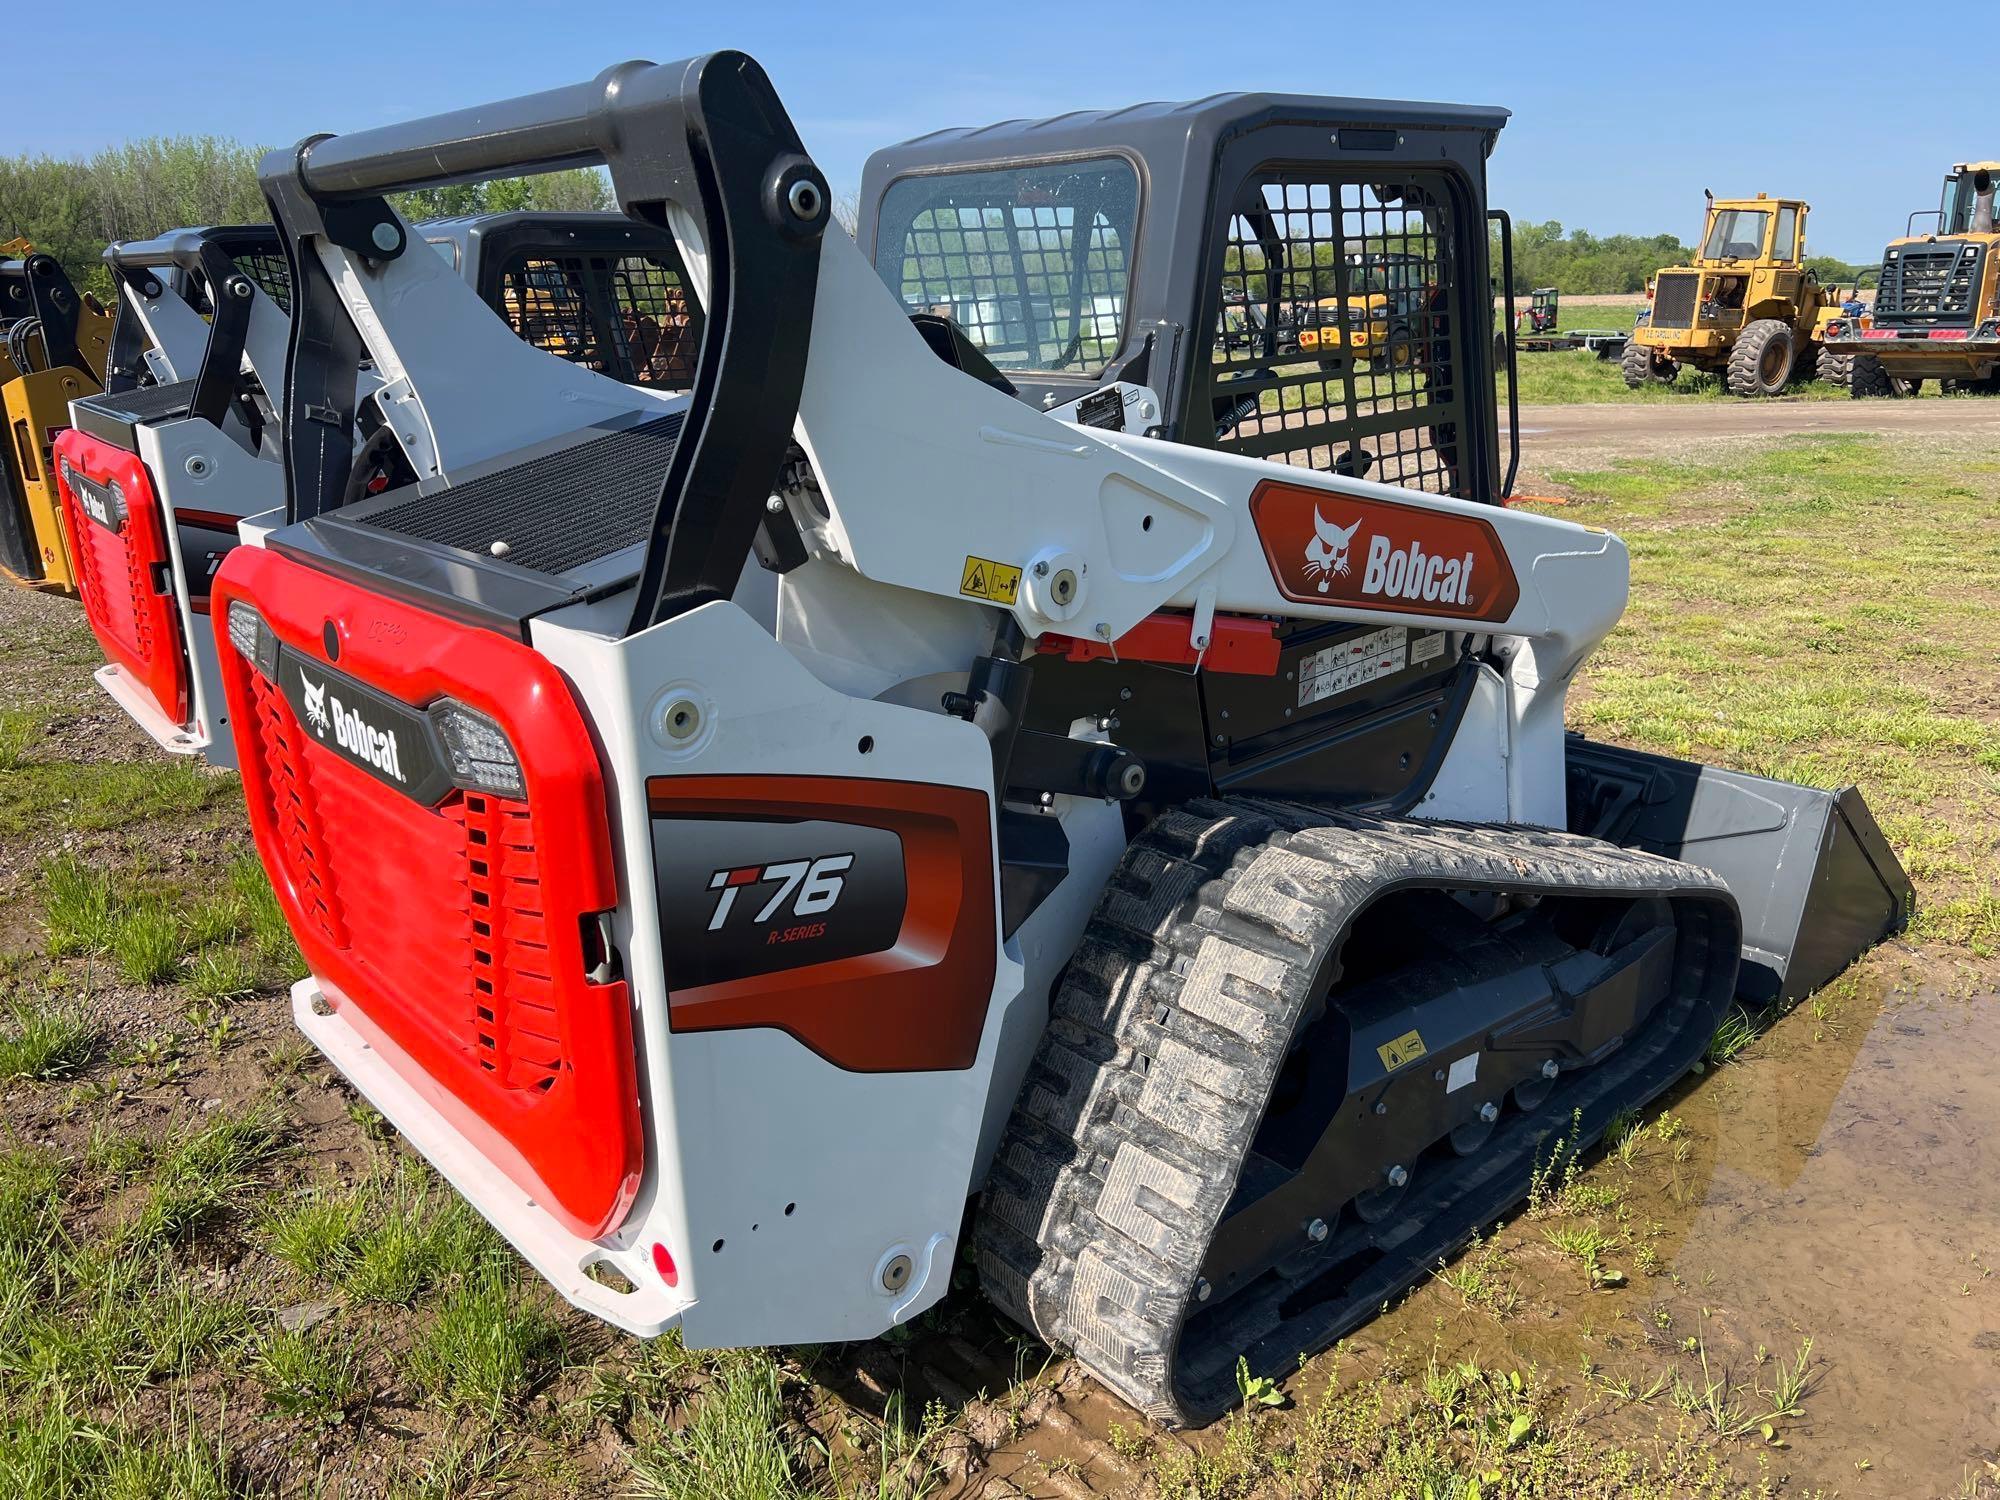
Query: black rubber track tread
[1748, 353]
[1165, 1038]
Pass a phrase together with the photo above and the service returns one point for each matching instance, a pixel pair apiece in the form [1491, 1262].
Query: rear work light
[252, 638]
[480, 756]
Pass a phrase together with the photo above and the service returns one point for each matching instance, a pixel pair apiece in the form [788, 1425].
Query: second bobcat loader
[732, 833]
[161, 469]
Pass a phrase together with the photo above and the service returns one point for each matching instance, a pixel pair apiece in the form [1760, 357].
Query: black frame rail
[210, 254]
[52, 302]
[708, 135]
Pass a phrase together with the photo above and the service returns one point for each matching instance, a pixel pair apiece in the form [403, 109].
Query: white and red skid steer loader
[731, 833]
[161, 468]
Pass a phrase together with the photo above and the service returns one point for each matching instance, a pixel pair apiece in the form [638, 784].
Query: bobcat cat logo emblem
[1326, 553]
[315, 705]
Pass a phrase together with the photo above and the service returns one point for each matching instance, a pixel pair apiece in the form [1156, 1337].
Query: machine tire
[1836, 368]
[1868, 379]
[1761, 363]
[1636, 364]
[1499, 349]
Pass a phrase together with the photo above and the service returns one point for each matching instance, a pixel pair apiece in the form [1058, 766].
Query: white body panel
[195, 464]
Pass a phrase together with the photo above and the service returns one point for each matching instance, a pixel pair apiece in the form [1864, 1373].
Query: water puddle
[1860, 1206]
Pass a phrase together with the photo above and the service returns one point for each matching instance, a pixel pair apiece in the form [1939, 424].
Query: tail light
[117, 531]
[428, 802]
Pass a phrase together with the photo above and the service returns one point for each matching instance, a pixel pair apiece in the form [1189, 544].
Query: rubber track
[1166, 1036]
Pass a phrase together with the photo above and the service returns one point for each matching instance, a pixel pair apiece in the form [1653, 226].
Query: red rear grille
[513, 1019]
[453, 929]
[120, 571]
[462, 925]
[294, 811]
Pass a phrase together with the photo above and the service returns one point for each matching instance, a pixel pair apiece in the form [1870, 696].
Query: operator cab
[1297, 279]
[1754, 229]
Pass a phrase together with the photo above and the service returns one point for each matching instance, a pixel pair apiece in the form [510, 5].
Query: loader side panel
[118, 543]
[436, 912]
[855, 915]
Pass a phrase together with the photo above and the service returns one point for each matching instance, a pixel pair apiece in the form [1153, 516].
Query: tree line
[72, 207]
[1578, 261]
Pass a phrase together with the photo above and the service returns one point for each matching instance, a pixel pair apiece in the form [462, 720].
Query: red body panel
[918, 1006]
[120, 571]
[454, 931]
[1239, 644]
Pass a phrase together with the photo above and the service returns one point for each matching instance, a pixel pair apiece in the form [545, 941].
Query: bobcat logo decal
[315, 705]
[1326, 553]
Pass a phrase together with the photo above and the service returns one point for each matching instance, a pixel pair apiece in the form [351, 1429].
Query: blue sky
[1613, 128]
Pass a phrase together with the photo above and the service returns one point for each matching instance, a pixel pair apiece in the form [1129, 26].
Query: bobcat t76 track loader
[159, 470]
[730, 833]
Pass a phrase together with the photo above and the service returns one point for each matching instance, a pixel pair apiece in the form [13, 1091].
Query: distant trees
[1580, 261]
[74, 207]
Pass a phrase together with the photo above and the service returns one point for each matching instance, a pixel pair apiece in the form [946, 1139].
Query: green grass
[315, 1374]
[222, 974]
[1737, 1031]
[384, 1242]
[1820, 609]
[95, 796]
[204, 1172]
[733, 1442]
[318, 1235]
[487, 1347]
[147, 940]
[1573, 376]
[263, 920]
[20, 728]
[228, 940]
[77, 906]
[50, 1452]
[44, 1039]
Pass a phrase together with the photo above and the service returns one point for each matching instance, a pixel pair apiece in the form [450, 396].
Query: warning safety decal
[983, 578]
[1404, 1049]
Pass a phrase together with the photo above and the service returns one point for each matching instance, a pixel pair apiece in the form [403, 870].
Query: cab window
[1783, 246]
[1737, 234]
[1033, 262]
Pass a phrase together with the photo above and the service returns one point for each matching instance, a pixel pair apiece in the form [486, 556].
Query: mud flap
[1817, 883]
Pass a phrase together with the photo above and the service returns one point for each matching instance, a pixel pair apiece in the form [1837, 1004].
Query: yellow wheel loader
[52, 349]
[1937, 303]
[1747, 310]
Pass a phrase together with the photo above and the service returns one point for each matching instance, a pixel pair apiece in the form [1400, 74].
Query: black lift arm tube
[209, 252]
[709, 136]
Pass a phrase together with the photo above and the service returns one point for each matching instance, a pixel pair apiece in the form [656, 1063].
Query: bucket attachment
[1817, 883]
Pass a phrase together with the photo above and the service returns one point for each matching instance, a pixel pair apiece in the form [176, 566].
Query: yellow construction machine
[1747, 310]
[1937, 303]
[53, 344]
